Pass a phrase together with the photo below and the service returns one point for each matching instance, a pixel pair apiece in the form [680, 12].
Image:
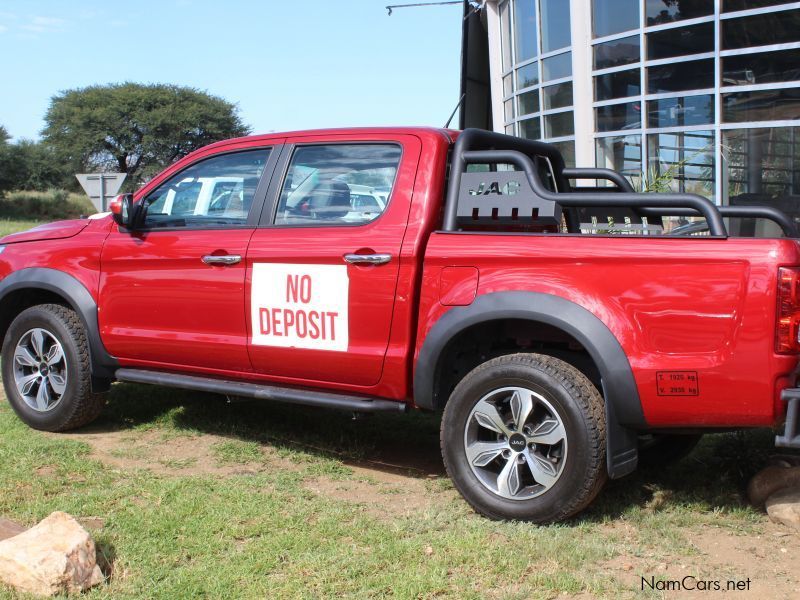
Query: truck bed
[699, 305]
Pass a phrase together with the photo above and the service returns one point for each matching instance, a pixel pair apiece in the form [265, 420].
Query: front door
[173, 290]
[322, 272]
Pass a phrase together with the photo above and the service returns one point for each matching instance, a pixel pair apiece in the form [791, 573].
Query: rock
[784, 507]
[56, 556]
[784, 460]
[770, 480]
[9, 529]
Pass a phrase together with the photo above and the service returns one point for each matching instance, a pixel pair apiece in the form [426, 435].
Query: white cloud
[7, 19]
[44, 25]
[48, 21]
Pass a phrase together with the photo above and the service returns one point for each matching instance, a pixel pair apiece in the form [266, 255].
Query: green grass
[51, 205]
[8, 226]
[20, 211]
[237, 452]
[266, 533]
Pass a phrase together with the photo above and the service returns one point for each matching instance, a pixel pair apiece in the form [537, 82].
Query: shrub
[51, 205]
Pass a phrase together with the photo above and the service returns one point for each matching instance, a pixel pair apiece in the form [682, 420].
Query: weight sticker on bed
[677, 383]
[300, 306]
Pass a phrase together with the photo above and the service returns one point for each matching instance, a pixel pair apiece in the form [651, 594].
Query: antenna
[476, 6]
[453, 114]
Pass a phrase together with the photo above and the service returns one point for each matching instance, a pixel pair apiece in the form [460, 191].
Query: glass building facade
[536, 48]
[699, 96]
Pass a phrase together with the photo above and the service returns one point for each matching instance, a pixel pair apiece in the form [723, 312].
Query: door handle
[367, 259]
[223, 260]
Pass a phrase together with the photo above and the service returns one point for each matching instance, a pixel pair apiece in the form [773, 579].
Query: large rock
[784, 507]
[56, 556]
[770, 480]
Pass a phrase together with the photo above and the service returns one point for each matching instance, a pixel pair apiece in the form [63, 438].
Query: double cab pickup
[549, 314]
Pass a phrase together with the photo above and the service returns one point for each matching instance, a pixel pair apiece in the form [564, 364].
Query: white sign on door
[300, 306]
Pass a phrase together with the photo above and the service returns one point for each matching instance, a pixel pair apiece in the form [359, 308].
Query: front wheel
[523, 437]
[47, 371]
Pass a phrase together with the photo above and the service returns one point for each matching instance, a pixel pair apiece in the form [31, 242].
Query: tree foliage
[6, 162]
[134, 128]
[37, 167]
[28, 165]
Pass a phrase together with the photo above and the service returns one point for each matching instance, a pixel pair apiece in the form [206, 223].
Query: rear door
[173, 291]
[323, 268]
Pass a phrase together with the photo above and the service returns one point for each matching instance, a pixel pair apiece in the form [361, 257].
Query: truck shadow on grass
[406, 443]
[713, 477]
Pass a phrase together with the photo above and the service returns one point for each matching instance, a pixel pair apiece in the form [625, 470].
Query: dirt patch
[385, 490]
[770, 560]
[182, 455]
[381, 494]
[9, 529]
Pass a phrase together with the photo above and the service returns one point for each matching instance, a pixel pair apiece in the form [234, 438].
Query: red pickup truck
[552, 319]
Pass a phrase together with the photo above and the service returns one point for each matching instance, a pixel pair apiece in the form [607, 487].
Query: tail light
[788, 326]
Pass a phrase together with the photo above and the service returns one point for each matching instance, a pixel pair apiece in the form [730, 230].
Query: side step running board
[260, 392]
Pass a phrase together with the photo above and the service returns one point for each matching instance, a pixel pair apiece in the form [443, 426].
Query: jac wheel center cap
[517, 442]
[43, 369]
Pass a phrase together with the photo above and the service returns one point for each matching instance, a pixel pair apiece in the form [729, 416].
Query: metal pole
[102, 193]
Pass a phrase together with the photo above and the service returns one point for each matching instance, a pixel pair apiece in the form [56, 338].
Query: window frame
[269, 214]
[517, 122]
[259, 196]
[718, 17]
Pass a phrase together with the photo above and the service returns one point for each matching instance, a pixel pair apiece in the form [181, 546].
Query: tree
[134, 128]
[29, 165]
[7, 162]
[37, 167]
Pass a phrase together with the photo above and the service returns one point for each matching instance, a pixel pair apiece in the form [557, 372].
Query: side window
[338, 184]
[215, 192]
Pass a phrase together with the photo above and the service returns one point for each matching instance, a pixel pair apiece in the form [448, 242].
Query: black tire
[77, 405]
[573, 399]
[662, 449]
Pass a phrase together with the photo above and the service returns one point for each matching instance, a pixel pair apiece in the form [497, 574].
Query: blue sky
[288, 64]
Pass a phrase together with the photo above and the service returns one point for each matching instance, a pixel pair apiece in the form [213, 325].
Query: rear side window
[338, 184]
[215, 192]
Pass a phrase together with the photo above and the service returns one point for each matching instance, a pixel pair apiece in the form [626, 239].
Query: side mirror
[124, 211]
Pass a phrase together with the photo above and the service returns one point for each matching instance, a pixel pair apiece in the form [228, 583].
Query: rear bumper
[790, 437]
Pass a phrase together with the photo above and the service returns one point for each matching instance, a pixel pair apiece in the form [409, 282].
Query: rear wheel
[47, 371]
[523, 437]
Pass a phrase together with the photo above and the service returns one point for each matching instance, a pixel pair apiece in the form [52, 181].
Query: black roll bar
[597, 173]
[787, 225]
[470, 139]
[580, 199]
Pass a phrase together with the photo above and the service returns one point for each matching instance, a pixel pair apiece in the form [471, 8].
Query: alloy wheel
[515, 443]
[40, 370]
